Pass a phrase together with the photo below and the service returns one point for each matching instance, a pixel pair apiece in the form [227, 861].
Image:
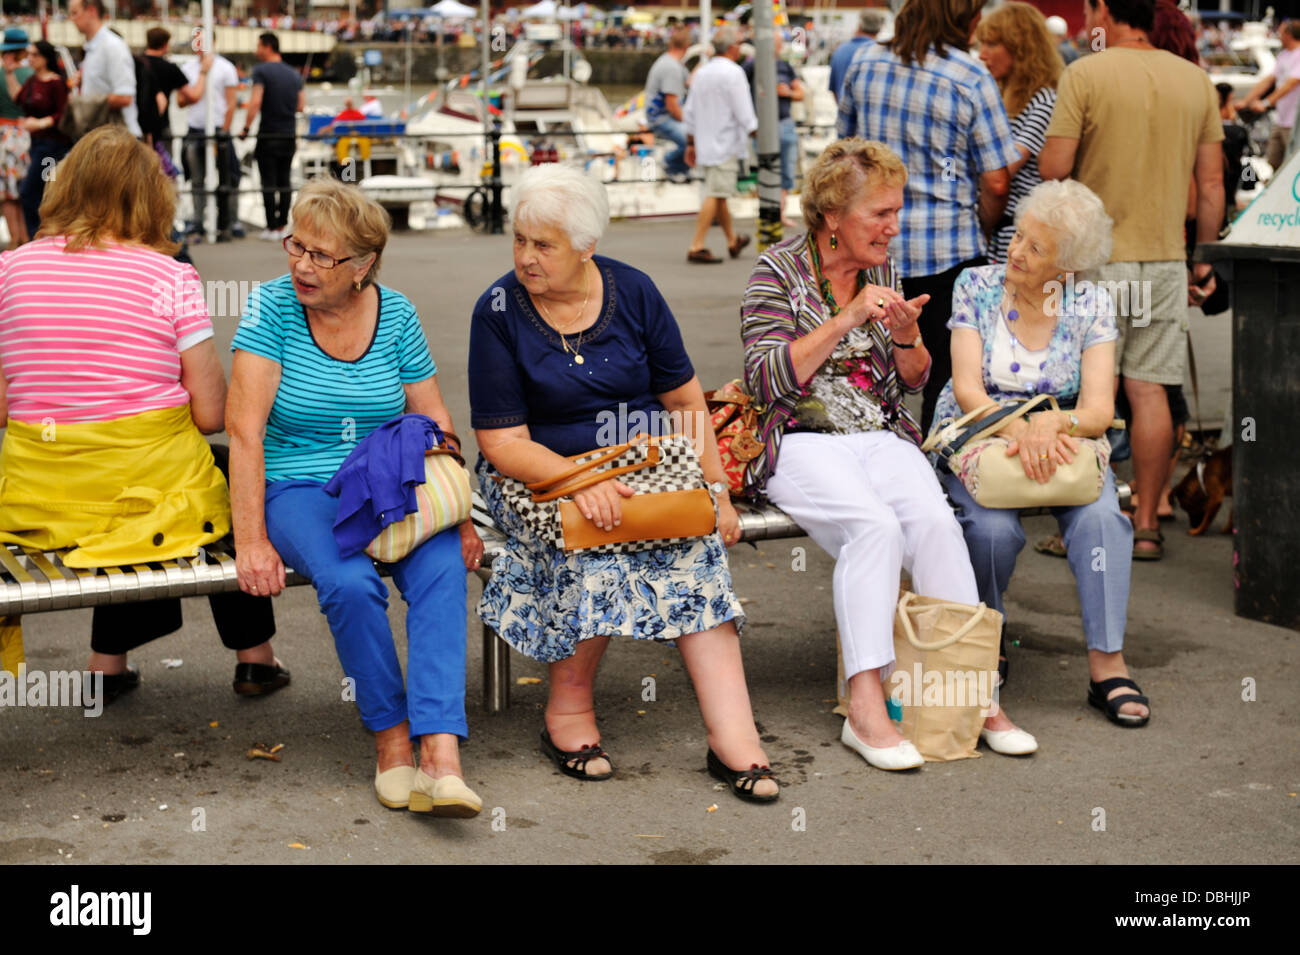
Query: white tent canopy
[583, 11]
[450, 10]
[546, 10]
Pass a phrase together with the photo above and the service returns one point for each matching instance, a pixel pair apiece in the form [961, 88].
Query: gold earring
[357, 285]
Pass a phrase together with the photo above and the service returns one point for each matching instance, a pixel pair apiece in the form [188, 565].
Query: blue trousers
[1099, 546]
[299, 521]
[673, 131]
[789, 153]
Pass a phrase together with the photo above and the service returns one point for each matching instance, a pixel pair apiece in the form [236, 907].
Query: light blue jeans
[1099, 546]
[299, 521]
[672, 130]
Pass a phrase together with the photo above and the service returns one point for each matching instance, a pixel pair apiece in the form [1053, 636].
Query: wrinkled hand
[259, 568]
[601, 503]
[728, 521]
[471, 546]
[1042, 449]
[864, 309]
[690, 156]
[901, 318]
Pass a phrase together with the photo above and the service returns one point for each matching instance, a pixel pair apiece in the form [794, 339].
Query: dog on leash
[1202, 490]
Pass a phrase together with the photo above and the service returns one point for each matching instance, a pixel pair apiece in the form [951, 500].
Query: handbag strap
[949, 431]
[548, 490]
[905, 601]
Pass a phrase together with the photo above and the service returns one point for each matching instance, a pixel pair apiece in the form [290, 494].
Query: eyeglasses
[322, 260]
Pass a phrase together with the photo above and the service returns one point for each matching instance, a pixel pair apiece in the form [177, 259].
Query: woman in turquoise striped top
[323, 356]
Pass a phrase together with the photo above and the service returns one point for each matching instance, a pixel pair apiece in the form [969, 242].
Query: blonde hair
[110, 187]
[1035, 61]
[843, 172]
[345, 211]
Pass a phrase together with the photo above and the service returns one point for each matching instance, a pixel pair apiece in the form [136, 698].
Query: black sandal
[1098, 697]
[743, 781]
[581, 758]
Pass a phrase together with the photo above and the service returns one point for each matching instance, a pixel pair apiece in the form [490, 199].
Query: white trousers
[872, 502]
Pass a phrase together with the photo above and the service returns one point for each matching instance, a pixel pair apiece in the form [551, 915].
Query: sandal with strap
[575, 763]
[1151, 535]
[742, 781]
[1099, 696]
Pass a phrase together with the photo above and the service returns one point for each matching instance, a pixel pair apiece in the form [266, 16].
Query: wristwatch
[718, 488]
[1074, 421]
[916, 341]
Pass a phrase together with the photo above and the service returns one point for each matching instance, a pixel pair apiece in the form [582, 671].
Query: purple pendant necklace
[1012, 315]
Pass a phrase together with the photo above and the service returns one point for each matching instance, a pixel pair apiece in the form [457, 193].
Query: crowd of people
[943, 234]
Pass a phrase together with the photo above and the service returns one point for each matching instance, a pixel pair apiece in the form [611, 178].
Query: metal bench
[33, 581]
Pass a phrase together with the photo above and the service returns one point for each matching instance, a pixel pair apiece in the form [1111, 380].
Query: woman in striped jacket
[831, 346]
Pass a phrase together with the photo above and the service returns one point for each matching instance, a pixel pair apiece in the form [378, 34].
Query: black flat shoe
[115, 684]
[742, 782]
[580, 759]
[1099, 696]
[259, 679]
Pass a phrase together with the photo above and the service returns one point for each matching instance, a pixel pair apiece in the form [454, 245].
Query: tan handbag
[443, 500]
[970, 450]
[945, 667]
[672, 503]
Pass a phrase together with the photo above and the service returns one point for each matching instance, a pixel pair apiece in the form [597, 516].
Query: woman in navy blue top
[569, 352]
[323, 357]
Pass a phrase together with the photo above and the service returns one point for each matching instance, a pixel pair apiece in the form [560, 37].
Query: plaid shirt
[946, 121]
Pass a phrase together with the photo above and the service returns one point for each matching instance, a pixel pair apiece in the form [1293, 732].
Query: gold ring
[880, 303]
[1042, 457]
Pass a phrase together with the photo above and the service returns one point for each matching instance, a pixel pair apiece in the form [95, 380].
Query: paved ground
[162, 776]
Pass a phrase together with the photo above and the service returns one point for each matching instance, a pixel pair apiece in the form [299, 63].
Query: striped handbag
[443, 501]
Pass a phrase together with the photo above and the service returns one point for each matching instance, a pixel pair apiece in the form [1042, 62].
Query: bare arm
[192, 93]
[1208, 174]
[254, 106]
[254, 381]
[995, 186]
[673, 106]
[116, 101]
[302, 101]
[203, 379]
[229, 118]
[11, 81]
[1056, 161]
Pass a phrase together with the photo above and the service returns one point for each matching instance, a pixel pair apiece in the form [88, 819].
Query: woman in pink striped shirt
[107, 360]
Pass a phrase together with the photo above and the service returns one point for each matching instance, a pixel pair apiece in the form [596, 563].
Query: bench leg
[496, 672]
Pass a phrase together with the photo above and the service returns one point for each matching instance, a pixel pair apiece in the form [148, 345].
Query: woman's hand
[1043, 447]
[259, 568]
[30, 123]
[471, 546]
[865, 308]
[728, 521]
[901, 318]
[601, 503]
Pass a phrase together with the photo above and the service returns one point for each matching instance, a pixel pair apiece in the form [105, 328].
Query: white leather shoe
[902, 756]
[1013, 742]
[393, 786]
[448, 797]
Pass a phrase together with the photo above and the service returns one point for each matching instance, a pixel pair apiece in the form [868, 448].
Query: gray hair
[724, 38]
[563, 197]
[871, 20]
[1077, 217]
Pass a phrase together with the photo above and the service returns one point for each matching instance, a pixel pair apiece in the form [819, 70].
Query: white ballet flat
[902, 756]
[1013, 742]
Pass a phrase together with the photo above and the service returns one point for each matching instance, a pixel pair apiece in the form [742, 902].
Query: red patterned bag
[735, 424]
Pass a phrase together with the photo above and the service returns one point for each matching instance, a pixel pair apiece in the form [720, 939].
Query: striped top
[1029, 127]
[324, 405]
[856, 389]
[95, 335]
[945, 120]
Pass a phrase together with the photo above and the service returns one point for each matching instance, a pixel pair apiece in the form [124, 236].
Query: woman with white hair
[1027, 328]
[557, 346]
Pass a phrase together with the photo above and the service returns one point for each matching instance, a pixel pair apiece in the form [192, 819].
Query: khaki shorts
[1151, 313]
[1275, 151]
[720, 180]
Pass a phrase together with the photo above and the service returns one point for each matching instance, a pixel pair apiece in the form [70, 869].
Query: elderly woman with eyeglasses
[324, 356]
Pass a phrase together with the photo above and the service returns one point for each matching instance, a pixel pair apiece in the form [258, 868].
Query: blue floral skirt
[543, 601]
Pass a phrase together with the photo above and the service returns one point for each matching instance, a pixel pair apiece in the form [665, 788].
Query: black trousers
[274, 159]
[934, 328]
[242, 620]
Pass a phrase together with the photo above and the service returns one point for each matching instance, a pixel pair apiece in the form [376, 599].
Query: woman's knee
[348, 582]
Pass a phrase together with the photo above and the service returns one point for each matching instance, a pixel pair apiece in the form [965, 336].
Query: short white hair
[1078, 219]
[563, 197]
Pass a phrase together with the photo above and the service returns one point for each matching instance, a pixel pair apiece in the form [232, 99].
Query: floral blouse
[856, 389]
[1087, 318]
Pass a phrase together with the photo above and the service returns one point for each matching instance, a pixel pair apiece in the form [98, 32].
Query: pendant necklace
[564, 342]
[1012, 315]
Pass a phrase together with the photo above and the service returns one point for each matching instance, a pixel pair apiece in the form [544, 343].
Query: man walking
[1280, 90]
[167, 78]
[665, 94]
[1135, 124]
[719, 119]
[211, 76]
[108, 69]
[279, 96]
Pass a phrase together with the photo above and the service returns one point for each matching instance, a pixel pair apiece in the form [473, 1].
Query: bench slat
[63, 592]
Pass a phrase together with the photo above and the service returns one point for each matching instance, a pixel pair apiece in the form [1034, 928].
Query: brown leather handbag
[672, 503]
[734, 415]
